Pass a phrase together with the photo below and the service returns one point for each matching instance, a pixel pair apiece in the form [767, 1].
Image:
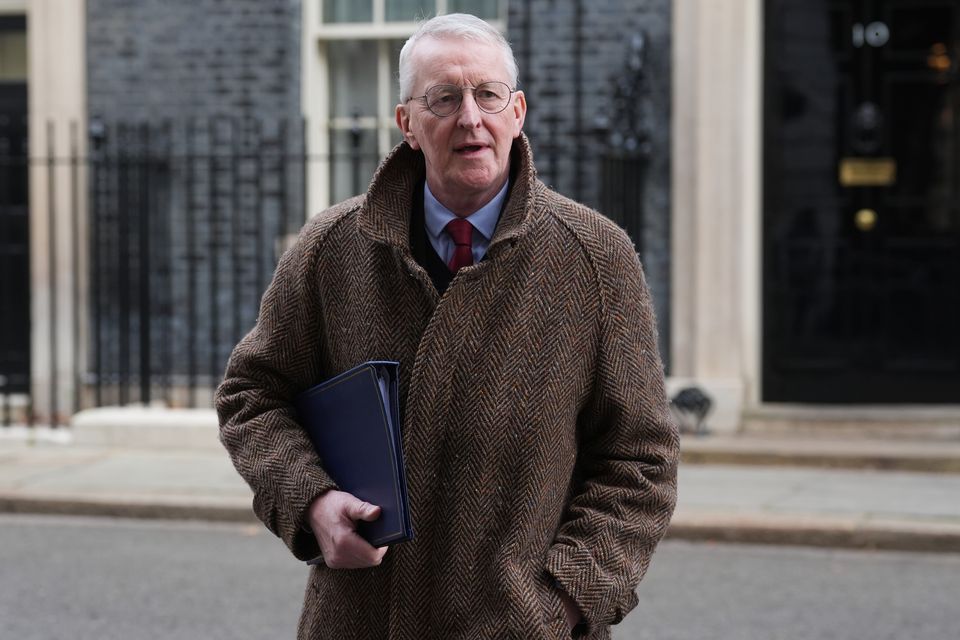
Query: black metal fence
[183, 228]
[14, 265]
[622, 183]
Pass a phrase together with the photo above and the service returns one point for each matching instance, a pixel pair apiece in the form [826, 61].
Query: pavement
[798, 490]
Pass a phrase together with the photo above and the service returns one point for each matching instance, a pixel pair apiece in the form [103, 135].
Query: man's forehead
[452, 55]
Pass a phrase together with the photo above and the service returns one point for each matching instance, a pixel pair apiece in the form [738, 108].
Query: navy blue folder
[354, 422]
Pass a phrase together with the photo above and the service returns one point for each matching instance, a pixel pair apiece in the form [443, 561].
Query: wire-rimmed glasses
[445, 99]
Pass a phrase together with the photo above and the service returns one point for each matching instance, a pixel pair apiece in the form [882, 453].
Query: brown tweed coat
[535, 427]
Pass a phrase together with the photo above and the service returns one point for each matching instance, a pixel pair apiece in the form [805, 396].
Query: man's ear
[519, 112]
[403, 122]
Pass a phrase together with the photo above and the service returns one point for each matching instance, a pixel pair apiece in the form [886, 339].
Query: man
[541, 461]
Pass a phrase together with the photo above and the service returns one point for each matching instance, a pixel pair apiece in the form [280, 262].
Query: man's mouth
[469, 148]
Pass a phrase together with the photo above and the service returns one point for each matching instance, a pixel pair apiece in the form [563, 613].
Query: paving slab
[820, 491]
[121, 482]
[819, 507]
[933, 455]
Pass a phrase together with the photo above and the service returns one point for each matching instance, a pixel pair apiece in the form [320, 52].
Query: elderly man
[541, 459]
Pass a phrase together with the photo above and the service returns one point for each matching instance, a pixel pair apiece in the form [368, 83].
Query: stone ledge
[823, 451]
[928, 422]
[147, 427]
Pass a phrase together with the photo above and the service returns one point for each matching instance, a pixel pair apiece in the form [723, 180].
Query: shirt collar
[483, 219]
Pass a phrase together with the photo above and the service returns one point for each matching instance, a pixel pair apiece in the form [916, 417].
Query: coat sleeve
[628, 453]
[258, 425]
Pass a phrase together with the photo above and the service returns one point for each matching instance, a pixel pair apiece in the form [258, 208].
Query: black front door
[861, 277]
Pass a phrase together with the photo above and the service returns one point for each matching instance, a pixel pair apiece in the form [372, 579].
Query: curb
[837, 533]
[822, 460]
[824, 532]
[114, 508]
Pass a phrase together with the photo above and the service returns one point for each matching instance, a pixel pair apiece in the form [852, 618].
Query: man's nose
[469, 115]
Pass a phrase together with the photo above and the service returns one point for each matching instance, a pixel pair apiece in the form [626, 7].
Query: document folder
[354, 422]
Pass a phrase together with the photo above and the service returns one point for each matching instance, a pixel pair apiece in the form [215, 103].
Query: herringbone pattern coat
[536, 431]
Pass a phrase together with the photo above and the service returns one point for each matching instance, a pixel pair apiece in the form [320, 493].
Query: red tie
[462, 233]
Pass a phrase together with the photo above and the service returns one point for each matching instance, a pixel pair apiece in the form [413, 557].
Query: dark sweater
[421, 247]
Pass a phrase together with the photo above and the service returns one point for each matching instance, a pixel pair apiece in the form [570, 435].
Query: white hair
[454, 25]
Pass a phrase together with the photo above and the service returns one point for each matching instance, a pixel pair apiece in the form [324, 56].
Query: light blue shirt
[484, 222]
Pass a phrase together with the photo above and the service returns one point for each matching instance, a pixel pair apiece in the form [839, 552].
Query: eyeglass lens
[445, 99]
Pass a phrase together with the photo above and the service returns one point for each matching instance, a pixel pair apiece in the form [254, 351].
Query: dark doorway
[861, 277]
[14, 210]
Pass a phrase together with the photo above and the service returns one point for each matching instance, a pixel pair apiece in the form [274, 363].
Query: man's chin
[473, 181]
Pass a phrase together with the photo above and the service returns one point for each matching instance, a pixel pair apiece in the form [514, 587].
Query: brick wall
[193, 58]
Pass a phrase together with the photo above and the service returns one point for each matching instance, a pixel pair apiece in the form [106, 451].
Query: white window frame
[315, 103]
[13, 7]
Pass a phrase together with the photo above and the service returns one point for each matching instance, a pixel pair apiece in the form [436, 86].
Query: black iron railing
[182, 229]
[14, 267]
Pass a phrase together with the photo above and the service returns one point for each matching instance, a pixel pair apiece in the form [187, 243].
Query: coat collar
[385, 213]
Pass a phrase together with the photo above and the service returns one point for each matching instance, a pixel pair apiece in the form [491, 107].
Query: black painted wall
[217, 82]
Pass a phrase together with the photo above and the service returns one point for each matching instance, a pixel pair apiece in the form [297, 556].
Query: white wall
[57, 97]
[716, 239]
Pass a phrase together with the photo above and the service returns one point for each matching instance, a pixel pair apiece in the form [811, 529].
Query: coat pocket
[554, 616]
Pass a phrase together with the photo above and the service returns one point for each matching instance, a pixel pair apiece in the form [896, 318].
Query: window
[347, 11]
[350, 85]
[339, 11]
[13, 56]
[401, 10]
[358, 113]
[486, 9]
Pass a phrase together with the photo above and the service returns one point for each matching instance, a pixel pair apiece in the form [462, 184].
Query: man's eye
[445, 99]
[487, 95]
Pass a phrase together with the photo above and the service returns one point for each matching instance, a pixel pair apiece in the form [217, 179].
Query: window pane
[486, 9]
[353, 78]
[354, 159]
[13, 56]
[409, 10]
[395, 46]
[347, 10]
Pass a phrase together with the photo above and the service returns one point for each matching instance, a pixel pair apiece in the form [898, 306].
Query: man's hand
[332, 518]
